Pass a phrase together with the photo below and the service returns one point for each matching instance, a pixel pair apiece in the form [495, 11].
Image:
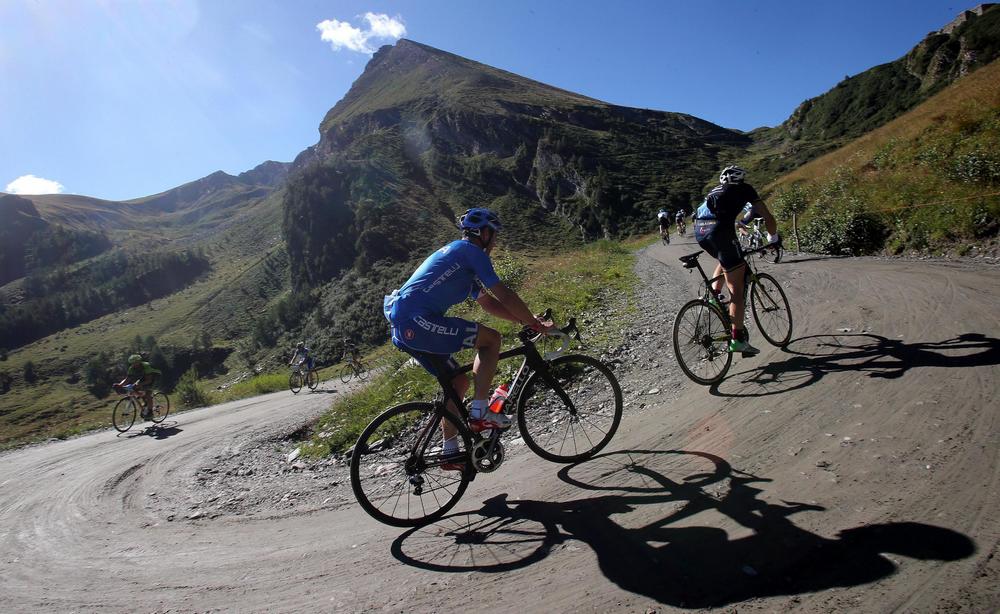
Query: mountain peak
[411, 73]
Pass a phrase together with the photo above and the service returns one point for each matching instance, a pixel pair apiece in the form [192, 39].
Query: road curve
[855, 469]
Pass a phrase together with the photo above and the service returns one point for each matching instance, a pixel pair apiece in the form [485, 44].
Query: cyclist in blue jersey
[416, 311]
[715, 231]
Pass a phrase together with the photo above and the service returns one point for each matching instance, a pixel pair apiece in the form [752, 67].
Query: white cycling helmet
[732, 174]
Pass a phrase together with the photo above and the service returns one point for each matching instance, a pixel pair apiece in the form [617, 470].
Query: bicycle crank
[487, 455]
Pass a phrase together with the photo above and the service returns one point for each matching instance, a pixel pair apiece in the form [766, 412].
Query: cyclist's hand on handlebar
[542, 326]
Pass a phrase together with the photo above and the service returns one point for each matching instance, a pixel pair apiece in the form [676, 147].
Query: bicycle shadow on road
[164, 430]
[660, 549]
[816, 356]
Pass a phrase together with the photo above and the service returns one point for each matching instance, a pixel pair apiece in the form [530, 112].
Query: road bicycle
[702, 328]
[752, 238]
[298, 378]
[665, 236]
[132, 404]
[681, 228]
[353, 368]
[568, 408]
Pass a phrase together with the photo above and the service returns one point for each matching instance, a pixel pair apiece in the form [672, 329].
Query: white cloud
[342, 35]
[29, 184]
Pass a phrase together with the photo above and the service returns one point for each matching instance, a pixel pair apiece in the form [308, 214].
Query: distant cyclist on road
[416, 311]
[664, 218]
[302, 355]
[715, 231]
[679, 220]
[351, 351]
[143, 375]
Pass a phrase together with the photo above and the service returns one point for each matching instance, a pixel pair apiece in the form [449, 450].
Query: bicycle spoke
[547, 424]
[396, 470]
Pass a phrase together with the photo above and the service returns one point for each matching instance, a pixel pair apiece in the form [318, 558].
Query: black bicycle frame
[533, 361]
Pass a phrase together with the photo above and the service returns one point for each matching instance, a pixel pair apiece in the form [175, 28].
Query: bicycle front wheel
[346, 373]
[570, 411]
[771, 311]
[312, 380]
[295, 382]
[123, 415]
[161, 407]
[399, 471]
[701, 342]
[362, 372]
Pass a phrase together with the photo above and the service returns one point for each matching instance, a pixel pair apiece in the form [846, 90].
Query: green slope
[929, 179]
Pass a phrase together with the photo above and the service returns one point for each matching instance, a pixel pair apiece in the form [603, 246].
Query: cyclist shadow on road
[647, 538]
[164, 430]
[816, 356]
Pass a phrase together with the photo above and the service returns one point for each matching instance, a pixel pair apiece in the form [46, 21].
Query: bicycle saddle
[691, 260]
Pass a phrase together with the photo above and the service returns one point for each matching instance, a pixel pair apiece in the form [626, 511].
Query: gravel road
[857, 469]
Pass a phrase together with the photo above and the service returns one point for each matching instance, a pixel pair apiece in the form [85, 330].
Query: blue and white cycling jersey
[416, 311]
[448, 276]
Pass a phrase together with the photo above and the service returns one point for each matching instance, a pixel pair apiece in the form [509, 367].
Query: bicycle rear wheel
[399, 472]
[771, 311]
[362, 371]
[161, 407]
[701, 342]
[571, 414]
[123, 415]
[295, 382]
[312, 380]
[346, 373]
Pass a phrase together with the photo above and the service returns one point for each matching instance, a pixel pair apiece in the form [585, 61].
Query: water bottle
[499, 398]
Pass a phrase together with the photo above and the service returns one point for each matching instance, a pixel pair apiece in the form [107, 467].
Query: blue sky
[122, 99]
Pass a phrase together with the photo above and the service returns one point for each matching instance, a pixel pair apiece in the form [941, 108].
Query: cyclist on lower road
[715, 231]
[679, 220]
[142, 374]
[664, 219]
[302, 355]
[416, 311]
[351, 351]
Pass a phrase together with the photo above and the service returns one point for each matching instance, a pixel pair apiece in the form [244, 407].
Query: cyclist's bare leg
[735, 281]
[717, 273]
[460, 383]
[485, 366]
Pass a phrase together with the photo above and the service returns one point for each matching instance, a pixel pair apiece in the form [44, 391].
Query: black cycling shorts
[726, 251]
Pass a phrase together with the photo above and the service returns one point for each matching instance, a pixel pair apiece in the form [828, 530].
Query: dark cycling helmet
[477, 218]
[134, 358]
[732, 174]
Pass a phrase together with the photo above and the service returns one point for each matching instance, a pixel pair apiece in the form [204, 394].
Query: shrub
[189, 392]
[848, 231]
[30, 375]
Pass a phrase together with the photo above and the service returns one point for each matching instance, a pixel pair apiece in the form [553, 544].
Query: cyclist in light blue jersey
[461, 269]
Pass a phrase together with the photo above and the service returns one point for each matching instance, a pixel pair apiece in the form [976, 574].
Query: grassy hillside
[248, 273]
[927, 180]
[866, 101]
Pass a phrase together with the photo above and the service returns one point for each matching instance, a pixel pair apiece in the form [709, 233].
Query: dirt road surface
[857, 469]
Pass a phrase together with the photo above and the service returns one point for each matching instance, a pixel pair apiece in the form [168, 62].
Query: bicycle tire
[346, 373]
[701, 342]
[161, 407]
[542, 415]
[295, 382]
[362, 371]
[386, 474]
[765, 293]
[312, 380]
[123, 415]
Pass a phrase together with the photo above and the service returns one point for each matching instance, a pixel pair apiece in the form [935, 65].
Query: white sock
[477, 408]
[451, 445]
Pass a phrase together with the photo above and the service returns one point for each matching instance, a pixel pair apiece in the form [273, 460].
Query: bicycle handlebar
[565, 333]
